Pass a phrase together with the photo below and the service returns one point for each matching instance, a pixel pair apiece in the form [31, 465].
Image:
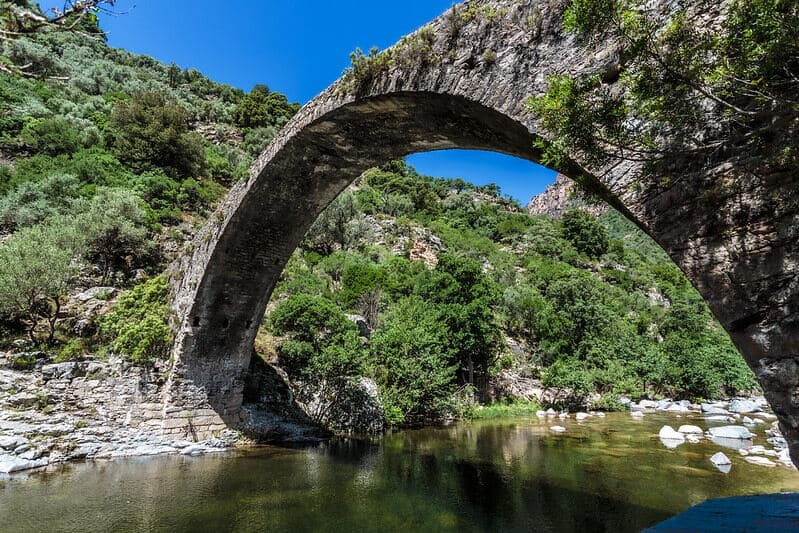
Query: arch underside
[279, 205]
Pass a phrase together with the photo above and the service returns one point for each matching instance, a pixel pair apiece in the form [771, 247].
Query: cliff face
[561, 196]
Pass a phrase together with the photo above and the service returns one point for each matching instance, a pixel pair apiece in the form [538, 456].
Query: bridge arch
[739, 245]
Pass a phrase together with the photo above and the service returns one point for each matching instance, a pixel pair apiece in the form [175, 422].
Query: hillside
[110, 162]
[455, 286]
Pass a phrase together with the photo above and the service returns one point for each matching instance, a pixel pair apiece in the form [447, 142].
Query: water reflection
[609, 474]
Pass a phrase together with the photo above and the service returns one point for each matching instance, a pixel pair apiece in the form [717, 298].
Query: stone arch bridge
[462, 83]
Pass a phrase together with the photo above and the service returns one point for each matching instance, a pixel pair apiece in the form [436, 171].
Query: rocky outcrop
[271, 412]
[57, 412]
[562, 195]
[350, 406]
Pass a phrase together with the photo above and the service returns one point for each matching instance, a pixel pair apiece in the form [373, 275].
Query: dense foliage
[679, 87]
[108, 161]
[139, 324]
[601, 307]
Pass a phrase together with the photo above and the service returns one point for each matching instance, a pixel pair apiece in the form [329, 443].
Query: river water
[604, 474]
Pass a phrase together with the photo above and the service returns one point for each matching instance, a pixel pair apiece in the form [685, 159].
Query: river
[604, 474]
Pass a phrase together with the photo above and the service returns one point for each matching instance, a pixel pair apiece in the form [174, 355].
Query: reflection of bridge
[465, 87]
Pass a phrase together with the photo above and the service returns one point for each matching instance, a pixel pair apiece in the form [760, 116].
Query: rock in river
[719, 458]
[686, 428]
[730, 432]
[670, 438]
[668, 433]
[744, 406]
[721, 462]
[558, 429]
[761, 461]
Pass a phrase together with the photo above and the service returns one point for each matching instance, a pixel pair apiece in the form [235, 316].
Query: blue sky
[298, 47]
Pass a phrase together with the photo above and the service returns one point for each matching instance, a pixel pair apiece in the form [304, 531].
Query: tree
[330, 228]
[138, 326]
[262, 108]
[38, 270]
[21, 17]
[465, 295]
[586, 233]
[316, 330]
[411, 353]
[151, 131]
[678, 89]
[114, 232]
[321, 348]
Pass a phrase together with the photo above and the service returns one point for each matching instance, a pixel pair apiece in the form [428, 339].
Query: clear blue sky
[298, 47]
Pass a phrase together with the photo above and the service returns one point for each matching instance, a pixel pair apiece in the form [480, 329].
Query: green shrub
[34, 201]
[151, 131]
[138, 326]
[51, 136]
[23, 362]
[506, 409]
[586, 233]
[74, 349]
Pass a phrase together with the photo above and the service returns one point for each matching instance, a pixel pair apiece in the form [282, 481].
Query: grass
[506, 410]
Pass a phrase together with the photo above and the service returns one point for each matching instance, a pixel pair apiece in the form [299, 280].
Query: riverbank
[511, 474]
[53, 413]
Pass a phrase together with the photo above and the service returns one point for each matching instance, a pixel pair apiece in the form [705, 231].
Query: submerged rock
[667, 432]
[711, 409]
[670, 438]
[581, 416]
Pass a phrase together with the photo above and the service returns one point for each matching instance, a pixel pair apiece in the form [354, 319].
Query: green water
[610, 474]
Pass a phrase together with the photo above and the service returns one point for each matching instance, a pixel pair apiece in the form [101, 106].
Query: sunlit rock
[760, 461]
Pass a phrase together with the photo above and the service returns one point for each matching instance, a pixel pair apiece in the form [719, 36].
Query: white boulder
[760, 461]
[719, 459]
[743, 406]
[730, 432]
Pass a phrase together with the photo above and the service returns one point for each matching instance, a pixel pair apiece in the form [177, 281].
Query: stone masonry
[733, 230]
